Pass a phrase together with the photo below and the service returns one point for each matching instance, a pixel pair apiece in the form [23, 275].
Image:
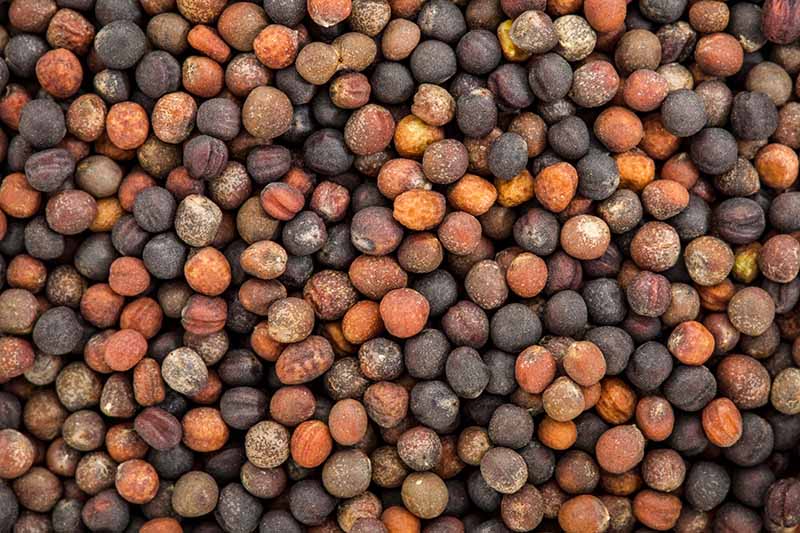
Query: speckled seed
[184, 371]
[197, 220]
[267, 444]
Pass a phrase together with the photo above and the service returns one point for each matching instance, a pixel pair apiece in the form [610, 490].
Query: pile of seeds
[399, 266]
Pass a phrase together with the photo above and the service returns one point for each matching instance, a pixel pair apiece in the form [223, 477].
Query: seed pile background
[399, 266]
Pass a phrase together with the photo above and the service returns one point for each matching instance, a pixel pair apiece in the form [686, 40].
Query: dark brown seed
[158, 428]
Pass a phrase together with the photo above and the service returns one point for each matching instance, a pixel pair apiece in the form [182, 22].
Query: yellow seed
[510, 50]
[515, 191]
[745, 263]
